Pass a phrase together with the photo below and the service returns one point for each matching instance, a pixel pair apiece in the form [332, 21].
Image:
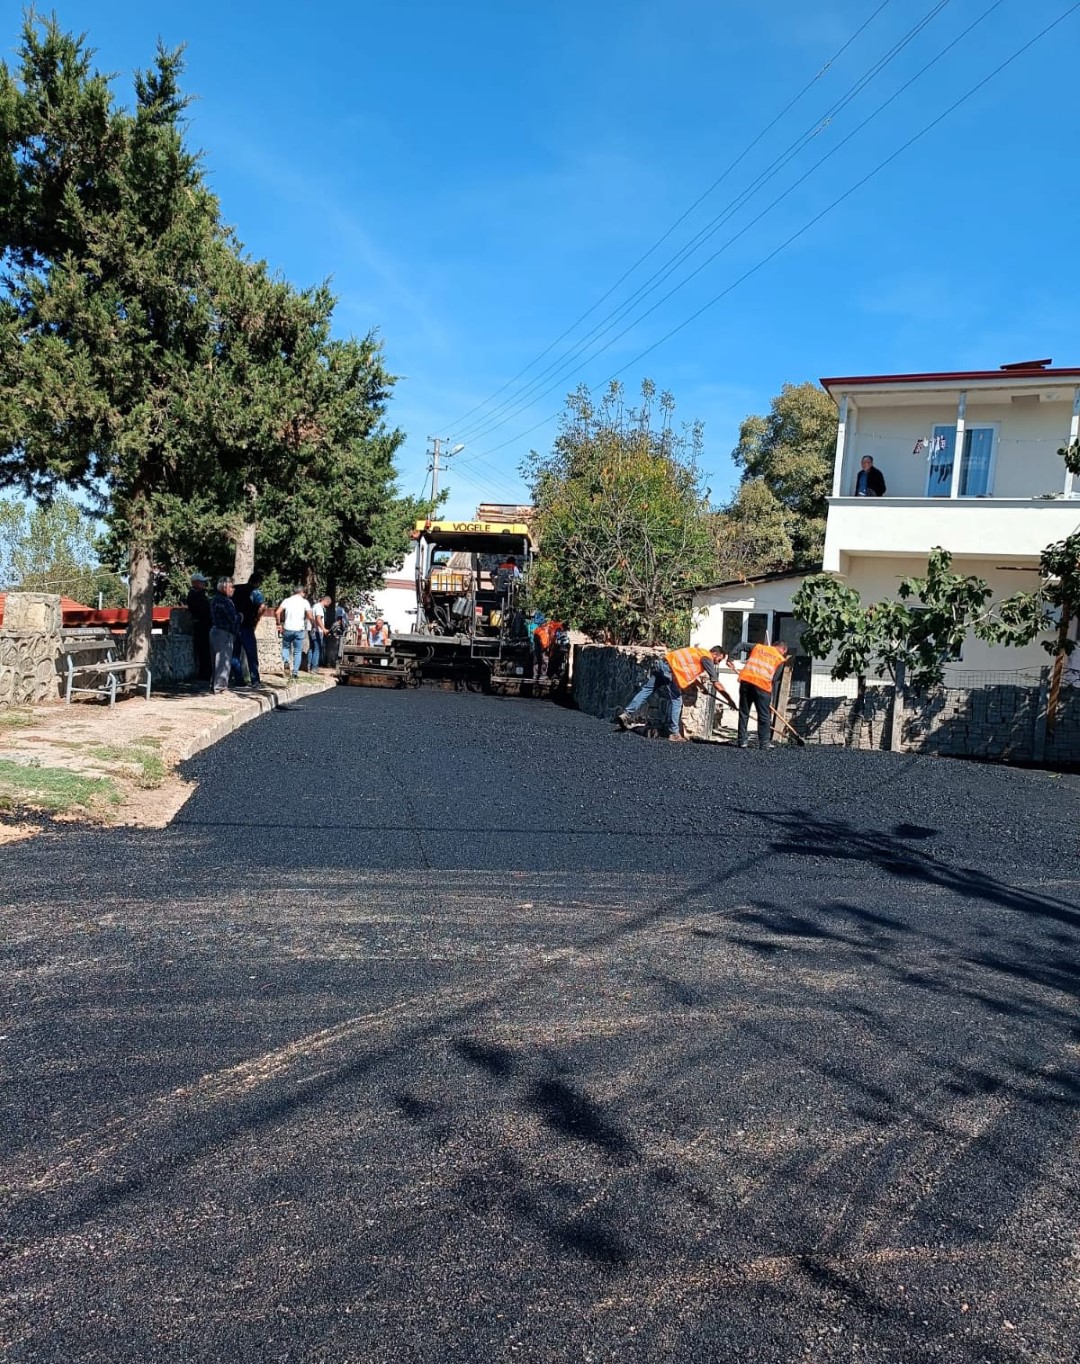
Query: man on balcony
[869, 482]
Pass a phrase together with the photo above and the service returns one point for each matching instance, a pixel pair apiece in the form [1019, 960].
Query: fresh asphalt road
[446, 1028]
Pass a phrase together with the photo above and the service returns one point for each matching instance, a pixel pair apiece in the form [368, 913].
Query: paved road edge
[248, 706]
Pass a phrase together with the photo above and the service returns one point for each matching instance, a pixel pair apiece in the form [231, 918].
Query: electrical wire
[459, 423]
[568, 368]
[485, 425]
[811, 222]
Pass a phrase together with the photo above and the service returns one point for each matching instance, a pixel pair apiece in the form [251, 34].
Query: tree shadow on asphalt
[1003, 975]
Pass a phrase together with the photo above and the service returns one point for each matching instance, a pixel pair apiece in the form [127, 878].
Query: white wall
[877, 578]
[987, 529]
[395, 601]
[1026, 463]
[767, 596]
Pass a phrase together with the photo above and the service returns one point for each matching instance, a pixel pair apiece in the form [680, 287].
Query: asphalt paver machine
[470, 630]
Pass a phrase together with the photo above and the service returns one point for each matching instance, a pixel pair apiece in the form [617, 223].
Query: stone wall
[995, 723]
[28, 667]
[269, 646]
[605, 678]
[983, 722]
[172, 654]
[826, 719]
[29, 649]
[35, 613]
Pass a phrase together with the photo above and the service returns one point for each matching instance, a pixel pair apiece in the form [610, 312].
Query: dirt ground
[86, 762]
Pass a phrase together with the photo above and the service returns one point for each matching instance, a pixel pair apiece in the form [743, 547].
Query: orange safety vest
[761, 666]
[546, 633]
[685, 665]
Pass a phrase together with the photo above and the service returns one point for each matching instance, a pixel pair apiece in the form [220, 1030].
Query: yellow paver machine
[471, 630]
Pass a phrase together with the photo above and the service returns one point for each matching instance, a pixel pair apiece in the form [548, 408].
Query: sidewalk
[87, 762]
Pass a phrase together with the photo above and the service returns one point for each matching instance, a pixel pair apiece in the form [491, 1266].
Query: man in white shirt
[293, 616]
[318, 634]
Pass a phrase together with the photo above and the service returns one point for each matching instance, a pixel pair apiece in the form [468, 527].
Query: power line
[459, 423]
[852, 189]
[566, 363]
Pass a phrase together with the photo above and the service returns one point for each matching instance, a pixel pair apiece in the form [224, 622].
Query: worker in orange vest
[756, 689]
[543, 638]
[670, 676]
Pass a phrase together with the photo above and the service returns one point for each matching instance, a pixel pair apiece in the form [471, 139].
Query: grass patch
[12, 719]
[52, 788]
[150, 766]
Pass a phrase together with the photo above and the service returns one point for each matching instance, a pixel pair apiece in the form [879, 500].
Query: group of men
[224, 629]
[681, 670]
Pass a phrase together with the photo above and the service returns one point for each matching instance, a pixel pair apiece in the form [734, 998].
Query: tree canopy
[624, 528]
[776, 520]
[147, 362]
[929, 622]
[55, 547]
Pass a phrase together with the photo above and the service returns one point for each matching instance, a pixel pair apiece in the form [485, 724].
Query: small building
[754, 611]
[970, 462]
[395, 600]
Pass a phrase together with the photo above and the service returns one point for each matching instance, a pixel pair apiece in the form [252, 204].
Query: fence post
[1042, 715]
[782, 699]
[896, 712]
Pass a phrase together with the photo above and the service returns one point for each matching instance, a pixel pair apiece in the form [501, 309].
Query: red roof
[1005, 373]
[114, 617]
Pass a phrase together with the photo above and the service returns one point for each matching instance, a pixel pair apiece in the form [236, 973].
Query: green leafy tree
[778, 512]
[55, 547]
[147, 362]
[112, 250]
[752, 533]
[624, 528]
[919, 632]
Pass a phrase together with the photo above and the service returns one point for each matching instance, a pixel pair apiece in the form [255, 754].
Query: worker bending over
[756, 689]
[670, 678]
[544, 638]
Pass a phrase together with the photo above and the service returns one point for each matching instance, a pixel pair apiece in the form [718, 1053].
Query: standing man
[198, 604]
[869, 482]
[318, 633]
[671, 676]
[543, 638]
[224, 629]
[292, 616]
[756, 689]
[250, 602]
[378, 635]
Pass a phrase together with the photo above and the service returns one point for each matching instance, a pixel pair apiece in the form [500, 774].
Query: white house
[970, 461]
[395, 600]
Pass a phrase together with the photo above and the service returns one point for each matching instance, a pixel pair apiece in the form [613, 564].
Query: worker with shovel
[675, 673]
[756, 689]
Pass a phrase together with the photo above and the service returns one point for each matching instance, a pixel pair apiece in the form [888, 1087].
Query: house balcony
[982, 528]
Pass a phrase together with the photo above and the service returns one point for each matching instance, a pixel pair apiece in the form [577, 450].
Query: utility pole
[433, 467]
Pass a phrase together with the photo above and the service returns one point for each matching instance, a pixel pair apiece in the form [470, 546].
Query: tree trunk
[244, 558]
[140, 604]
[311, 583]
[855, 714]
[1059, 668]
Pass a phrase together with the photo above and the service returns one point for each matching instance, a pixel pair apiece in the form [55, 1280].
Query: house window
[976, 464]
[743, 629]
[732, 632]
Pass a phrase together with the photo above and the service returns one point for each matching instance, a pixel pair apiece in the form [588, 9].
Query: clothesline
[1058, 442]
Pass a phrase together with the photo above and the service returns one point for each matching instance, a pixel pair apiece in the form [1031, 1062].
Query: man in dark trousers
[756, 689]
[869, 482]
[250, 602]
[198, 604]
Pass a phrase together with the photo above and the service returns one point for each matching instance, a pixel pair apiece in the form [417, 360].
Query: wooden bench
[111, 675]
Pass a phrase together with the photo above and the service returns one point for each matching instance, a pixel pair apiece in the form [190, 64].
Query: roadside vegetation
[53, 790]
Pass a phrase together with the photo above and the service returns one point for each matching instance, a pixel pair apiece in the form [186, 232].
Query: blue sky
[474, 176]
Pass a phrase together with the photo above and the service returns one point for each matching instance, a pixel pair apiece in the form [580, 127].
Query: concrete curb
[248, 707]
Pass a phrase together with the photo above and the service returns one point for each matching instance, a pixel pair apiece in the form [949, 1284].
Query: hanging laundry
[920, 445]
